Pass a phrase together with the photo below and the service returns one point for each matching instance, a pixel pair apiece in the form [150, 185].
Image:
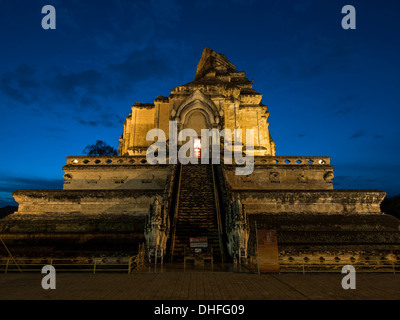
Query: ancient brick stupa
[110, 204]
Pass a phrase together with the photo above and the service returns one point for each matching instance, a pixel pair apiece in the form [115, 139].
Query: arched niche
[197, 106]
[197, 119]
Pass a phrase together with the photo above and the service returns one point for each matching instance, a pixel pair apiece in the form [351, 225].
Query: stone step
[196, 210]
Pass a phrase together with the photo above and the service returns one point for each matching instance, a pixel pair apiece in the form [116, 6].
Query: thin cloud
[315, 57]
[105, 120]
[11, 184]
[20, 84]
[6, 199]
[110, 120]
[358, 134]
[344, 105]
[344, 111]
[71, 84]
[201, 4]
[145, 64]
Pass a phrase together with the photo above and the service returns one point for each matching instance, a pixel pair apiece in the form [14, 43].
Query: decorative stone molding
[237, 229]
[197, 101]
[97, 202]
[328, 176]
[346, 202]
[157, 227]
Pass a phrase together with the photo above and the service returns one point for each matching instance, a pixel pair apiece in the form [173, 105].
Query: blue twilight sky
[330, 92]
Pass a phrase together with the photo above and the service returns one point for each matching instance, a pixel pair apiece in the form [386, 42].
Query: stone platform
[169, 286]
[77, 222]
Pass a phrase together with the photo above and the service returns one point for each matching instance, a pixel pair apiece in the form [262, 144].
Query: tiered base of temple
[333, 238]
[313, 226]
[77, 222]
[71, 235]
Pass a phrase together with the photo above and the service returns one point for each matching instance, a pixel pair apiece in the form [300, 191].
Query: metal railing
[65, 265]
[137, 263]
[176, 212]
[92, 265]
[219, 222]
[10, 255]
[362, 266]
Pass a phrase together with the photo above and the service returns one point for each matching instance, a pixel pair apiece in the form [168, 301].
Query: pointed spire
[213, 62]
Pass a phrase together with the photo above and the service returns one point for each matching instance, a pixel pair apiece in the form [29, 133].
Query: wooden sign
[268, 254]
[200, 242]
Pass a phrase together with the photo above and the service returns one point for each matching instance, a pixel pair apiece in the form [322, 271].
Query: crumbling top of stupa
[213, 62]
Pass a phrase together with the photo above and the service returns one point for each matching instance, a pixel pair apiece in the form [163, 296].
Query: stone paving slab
[199, 286]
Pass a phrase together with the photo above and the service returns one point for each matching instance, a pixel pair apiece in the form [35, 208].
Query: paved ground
[200, 285]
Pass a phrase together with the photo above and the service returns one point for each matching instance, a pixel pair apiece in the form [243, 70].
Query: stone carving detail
[302, 178]
[274, 177]
[156, 227]
[119, 180]
[237, 229]
[67, 176]
[328, 176]
[93, 181]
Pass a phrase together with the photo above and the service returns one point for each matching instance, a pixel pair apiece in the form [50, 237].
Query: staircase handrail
[218, 214]
[176, 211]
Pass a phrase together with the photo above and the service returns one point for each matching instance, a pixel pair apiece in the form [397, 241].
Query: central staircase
[197, 212]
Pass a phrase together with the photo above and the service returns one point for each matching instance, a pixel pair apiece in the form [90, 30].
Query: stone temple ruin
[109, 205]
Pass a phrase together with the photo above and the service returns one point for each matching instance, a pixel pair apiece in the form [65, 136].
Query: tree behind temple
[100, 148]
